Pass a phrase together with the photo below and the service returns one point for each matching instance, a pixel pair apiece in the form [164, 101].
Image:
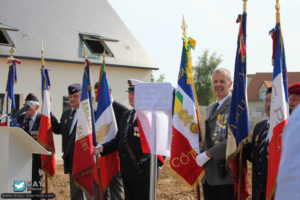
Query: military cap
[131, 84]
[74, 88]
[294, 88]
[31, 97]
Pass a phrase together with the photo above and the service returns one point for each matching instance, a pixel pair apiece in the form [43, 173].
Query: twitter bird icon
[19, 186]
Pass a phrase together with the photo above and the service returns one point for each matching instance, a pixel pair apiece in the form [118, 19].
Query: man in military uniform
[218, 180]
[294, 95]
[30, 123]
[67, 128]
[134, 164]
[257, 152]
[114, 189]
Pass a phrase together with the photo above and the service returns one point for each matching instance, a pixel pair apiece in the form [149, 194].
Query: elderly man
[30, 123]
[218, 180]
[294, 95]
[134, 164]
[67, 128]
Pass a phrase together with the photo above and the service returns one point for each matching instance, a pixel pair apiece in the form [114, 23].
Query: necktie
[27, 125]
[70, 120]
[215, 107]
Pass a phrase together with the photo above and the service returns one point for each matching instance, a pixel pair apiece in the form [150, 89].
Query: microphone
[26, 107]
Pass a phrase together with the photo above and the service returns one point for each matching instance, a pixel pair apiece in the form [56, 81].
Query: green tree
[203, 70]
[161, 78]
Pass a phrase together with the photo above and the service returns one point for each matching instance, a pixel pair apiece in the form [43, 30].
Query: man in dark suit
[134, 164]
[67, 128]
[218, 180]
[114, 189]
[257, 152]
[30, 123]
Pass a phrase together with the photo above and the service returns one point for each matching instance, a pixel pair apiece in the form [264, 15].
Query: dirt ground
[168, 187]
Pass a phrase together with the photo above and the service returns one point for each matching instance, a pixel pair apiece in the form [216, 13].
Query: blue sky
[156, 24]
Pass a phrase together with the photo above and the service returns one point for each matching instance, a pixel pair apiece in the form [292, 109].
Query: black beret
[294, 88]
[31, 97]
[74, 88]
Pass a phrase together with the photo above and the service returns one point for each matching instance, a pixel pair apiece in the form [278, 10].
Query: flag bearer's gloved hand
[202, 158]
[98, 149]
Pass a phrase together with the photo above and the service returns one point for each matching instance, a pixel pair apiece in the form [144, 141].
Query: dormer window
[5, 40]
[97, 44]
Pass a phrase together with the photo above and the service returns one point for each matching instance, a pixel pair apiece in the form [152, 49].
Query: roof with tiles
[259, 79]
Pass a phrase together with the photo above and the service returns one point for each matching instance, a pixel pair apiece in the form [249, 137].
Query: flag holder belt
[136, 164]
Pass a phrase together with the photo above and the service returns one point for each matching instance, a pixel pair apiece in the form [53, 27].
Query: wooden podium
[16, 149]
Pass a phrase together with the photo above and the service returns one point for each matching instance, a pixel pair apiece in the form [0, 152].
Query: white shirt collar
[222, 101]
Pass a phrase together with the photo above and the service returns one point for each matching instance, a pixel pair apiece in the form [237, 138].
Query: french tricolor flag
[45, 136]
[106, 130]
[278, 112]
[83, 160]
[9, 98]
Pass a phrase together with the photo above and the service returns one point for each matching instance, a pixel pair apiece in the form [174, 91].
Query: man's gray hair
[222, 70]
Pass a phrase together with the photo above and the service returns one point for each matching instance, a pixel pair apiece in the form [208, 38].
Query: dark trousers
[75, 192]
[114, 190]
[218, 192]
[136, 190]
[36, 178]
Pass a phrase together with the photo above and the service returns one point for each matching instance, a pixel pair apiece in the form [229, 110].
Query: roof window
[97, 44]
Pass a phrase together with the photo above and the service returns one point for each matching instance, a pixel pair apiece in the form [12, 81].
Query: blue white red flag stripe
[83, 160]
[106, 130]
[278, 111]
[9, 98]
[45, 136]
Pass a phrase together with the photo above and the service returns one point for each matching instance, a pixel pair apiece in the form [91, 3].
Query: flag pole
[43, 66]
[277, 7]
[100, 191]
[184, 33]
[240, 145]
[9, 58]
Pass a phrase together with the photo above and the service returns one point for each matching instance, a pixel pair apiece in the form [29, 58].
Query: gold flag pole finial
[277, 7]
[184, 27]
[42, 53]
[84, 50]
[11, 53]
[103, 55]
[245, 6]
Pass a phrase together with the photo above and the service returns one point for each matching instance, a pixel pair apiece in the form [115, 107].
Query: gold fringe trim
[197, 182]
[238, 149]
[272, 193]
[85, 172]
